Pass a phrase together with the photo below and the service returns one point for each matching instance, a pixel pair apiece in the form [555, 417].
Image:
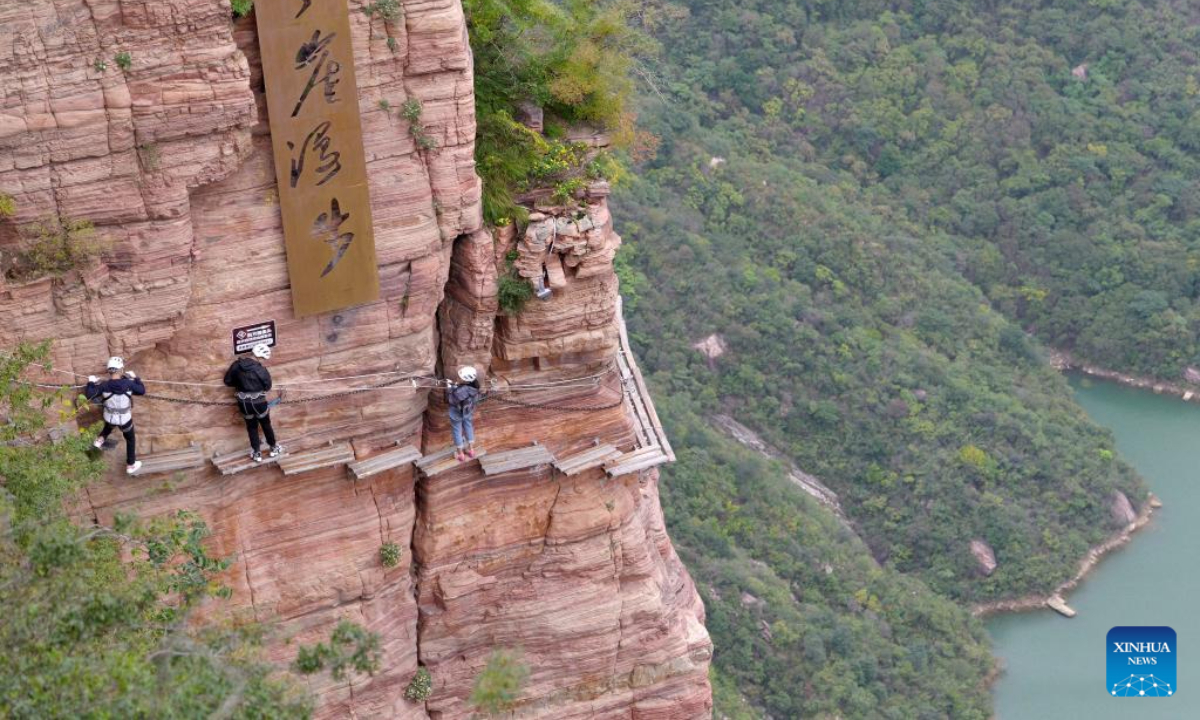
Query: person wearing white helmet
[116, 395]
[462, 397]
[251, 382]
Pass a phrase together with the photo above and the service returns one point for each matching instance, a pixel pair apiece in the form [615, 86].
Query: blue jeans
[462, 425]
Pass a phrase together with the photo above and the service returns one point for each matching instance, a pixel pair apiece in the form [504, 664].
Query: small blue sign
[1141, 662]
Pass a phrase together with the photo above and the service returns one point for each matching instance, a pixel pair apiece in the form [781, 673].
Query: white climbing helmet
[467, 374]
[262, 350]
[116, 364]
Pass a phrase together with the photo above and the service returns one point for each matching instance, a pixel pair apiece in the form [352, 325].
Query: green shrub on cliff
[389, 554]
[572, 59]
[420, 687]
[351, 649]
[56, 246]
[498, 686]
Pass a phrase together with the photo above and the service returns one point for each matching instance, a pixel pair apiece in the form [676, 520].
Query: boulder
[1121, 509]
[984, 555]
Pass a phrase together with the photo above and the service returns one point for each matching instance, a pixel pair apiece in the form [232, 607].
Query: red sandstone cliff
[171, 160]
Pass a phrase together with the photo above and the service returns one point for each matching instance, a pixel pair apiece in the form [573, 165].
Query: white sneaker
[131, 469]
[98, 443]
[276, 451]
[256, 456]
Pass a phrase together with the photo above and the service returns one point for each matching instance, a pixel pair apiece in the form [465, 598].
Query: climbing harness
[249, 404]
[118, 408]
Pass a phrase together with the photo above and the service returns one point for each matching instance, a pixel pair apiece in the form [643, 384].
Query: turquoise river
[1054, 667]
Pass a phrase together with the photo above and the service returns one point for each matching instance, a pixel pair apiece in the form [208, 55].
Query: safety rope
[218, 386]
[410, 382]
[419, 381]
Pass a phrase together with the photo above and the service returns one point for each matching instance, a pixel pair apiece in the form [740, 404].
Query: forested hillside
[1055, 142]
[887, 212]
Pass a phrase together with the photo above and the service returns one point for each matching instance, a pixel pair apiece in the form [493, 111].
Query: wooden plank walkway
[591, 458]
[232, 463]
[518, 459]
[636, 461]
[172, 460]
[364, 469]
[443, 460]
[652, 433]
[340, 454]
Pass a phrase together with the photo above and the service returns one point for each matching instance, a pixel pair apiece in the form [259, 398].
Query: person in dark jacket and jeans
[462, 399]
[116, 395]
[252, 382]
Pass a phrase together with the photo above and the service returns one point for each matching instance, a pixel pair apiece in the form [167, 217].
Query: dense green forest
[888, 211]
[1054, 142]
[805, 622]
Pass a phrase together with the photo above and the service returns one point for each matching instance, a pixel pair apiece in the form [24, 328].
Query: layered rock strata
[170, 159]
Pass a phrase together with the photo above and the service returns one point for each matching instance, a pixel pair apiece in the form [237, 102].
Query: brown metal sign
[308, 66]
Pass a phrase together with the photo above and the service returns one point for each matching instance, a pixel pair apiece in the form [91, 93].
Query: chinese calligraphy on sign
[308, 66]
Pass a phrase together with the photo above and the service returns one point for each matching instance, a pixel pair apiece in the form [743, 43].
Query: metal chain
[563, 408]
[344, 393]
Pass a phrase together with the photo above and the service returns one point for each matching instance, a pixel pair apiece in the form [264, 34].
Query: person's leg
[99, 441]
[456, 429]
[247, 409]
[265, 421]
[130, 443]
[468, 423]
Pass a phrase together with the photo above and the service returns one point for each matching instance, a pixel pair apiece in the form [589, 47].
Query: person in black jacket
[116, 395]
[252, 381]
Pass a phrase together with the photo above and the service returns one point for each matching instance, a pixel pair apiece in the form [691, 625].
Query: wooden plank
[636, 461]
[518, 459]
[443, 460]
[655, 425]
[592, 457]
[364, 469]
[641, 421]
[232, 463]
[341, 454]
[434, 458]
[588, 459]
[172, 460]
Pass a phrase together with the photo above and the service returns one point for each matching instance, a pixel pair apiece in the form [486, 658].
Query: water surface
[1055, 666]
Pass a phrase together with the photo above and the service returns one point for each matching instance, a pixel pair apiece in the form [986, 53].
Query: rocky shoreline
[1055, 599]
[1064, 361]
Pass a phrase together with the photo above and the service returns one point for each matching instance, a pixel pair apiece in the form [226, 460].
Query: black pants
[257, 412]
[130, 439]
